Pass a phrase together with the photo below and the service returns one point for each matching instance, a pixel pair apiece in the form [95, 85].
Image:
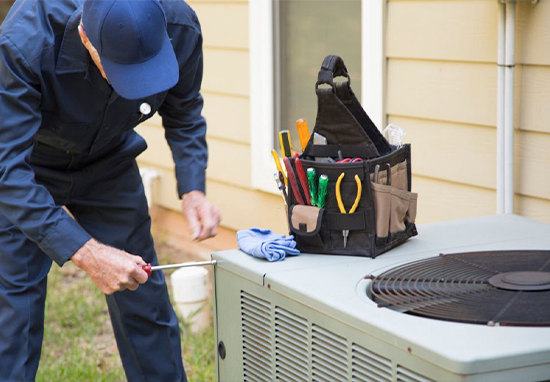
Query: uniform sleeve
[27, 204]
[185, 127]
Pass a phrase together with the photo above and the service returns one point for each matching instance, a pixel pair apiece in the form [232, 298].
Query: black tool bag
[386, 211]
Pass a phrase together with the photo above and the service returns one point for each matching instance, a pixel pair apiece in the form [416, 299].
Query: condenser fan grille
[494, 288]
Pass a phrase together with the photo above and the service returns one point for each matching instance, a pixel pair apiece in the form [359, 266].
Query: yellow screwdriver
[278, 164]
[286, 145]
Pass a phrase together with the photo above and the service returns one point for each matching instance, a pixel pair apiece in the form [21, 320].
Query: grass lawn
[79, 344]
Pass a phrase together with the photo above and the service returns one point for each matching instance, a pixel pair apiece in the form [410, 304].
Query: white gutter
[505, 108]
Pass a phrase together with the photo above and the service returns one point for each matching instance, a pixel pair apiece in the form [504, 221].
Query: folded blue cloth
[263, 243]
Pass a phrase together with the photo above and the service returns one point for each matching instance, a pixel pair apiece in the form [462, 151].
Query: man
[75, 78]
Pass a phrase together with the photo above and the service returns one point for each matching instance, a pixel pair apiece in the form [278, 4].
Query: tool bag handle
[340, 117]
[333, 66]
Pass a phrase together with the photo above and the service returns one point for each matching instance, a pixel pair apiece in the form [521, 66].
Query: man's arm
[185, 130]
[29, 205]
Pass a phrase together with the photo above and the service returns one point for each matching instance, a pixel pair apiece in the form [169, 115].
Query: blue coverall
[67, 139]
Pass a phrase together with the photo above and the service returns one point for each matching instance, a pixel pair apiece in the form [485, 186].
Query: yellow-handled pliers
[345, 232]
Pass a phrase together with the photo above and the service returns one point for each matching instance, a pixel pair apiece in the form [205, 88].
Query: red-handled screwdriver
[303, 179]
[292, 180]
[149, 269]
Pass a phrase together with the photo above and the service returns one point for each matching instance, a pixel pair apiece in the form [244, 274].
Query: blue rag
[264, 243]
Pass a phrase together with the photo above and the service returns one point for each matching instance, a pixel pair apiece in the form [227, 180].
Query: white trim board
[262, 81]
[373, 60]
[261, 94]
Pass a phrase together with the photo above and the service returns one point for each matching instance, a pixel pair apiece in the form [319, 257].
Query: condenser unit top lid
[335, 286]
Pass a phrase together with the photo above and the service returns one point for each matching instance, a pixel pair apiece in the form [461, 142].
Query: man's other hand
[202, 216]
[111, 269]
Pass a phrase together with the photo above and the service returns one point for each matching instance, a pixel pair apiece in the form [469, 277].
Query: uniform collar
[73, 56]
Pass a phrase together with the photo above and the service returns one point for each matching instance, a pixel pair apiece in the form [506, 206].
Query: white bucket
[190, 288]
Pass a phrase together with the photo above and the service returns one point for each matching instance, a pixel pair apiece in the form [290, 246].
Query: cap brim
[144, 79]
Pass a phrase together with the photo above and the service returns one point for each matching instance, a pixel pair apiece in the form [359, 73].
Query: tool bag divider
[386, 199]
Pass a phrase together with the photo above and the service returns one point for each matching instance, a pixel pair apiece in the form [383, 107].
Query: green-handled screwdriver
[323, 185]
[312, 182]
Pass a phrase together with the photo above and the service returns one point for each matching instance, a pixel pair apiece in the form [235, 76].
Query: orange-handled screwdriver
[303, 132]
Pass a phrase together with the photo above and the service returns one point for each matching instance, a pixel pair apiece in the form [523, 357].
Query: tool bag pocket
[382, 208]
[393, 209]
[358, 235]
[394, 204]
[305, 224]
[400, 205]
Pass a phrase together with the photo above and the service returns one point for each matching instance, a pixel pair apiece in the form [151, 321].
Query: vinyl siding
[442, 88]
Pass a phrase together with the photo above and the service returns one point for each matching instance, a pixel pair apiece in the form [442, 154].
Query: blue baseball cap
[133, 45]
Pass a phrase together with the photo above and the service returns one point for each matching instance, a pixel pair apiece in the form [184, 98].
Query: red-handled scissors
[350, 160]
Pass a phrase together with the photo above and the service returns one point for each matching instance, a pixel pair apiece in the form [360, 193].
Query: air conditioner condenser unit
[313, 317]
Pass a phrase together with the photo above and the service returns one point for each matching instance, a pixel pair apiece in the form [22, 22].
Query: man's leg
[113, 209]
[23, 277]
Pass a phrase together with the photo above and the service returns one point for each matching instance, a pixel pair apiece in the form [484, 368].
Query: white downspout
[500, 106]
[509, 106]
[505, 108]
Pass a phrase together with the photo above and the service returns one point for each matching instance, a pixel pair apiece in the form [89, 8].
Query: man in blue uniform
[75, 78]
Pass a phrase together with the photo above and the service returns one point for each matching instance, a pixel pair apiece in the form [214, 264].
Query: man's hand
[202, 216]
[111, 269]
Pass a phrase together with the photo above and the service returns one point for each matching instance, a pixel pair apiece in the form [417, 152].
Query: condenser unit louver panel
[406, 375]
[296, 348]
[256, 332]
[368, 366]
[325, 318]
[305, 351]
[291, 346]
[329, 356]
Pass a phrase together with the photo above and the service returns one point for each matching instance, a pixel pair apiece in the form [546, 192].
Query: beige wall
[441, 88]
